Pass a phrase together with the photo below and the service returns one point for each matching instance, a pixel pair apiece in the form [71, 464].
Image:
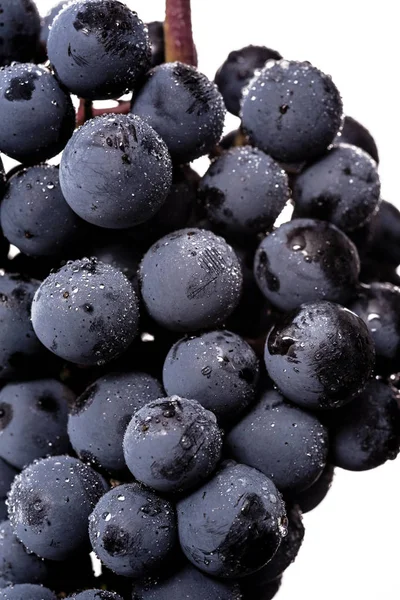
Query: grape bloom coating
[86, 312]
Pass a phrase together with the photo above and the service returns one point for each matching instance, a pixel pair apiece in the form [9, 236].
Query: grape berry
[182, 367]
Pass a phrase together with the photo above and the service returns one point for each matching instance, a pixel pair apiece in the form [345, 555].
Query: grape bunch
[181, 369]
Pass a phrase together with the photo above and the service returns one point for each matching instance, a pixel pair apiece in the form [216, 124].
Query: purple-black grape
[95, 595]
[190, 280]
[33, 421]
[186, 582]
[45, 26]
[115, 171]
[120, 255]
[156, 36]
[184, 107]
[244, 191]
[254, 315]
[320, 355]
[378, 305]
[20, 28]
[374, 271]
[2, 180]
[38, 117]
[291, 110]
[266, 591]
[34, 214]
[341, 187]
[363, 236]
[7, 474]
[19, 346]
[286, 443]
[133, 531]
[385, 245]
[86, 312]
[315, 494]
[356, 134]
[218, 369]
[233, 525]
[98, 48]
[98, 419]
[284, 557]
[306, 260]
[49, 505]
[27, 591]
[238, 69]
[16, 564]
[172, 445]
[366, 432]
[176, 211]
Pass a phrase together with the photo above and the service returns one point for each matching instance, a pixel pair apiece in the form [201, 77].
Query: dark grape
[7, 474]
[99, 417]
[254, 315]
[122, 256]
[238, 69]
[86, 312]
[95, 595]
[45, 26]
[34, 214]
[156, 35]
[98, 48]
[19, 346]
[187, 582]
[291, 110]
[306, 260]
[33, 421]
[20, 28]
[38, 117]
[378, 305]
[244, 191]
[49, 505]
[218, 369]
[172, 444]
[356, 134]
[132, 530]
[176, 211]
[2, 180]
[320, 355]
[184, 107]
[366, 432]
[27, 591]
[385, 244]
[363, 237]
[115, 172]
[190, 280]
[373, 271]
[284, 557]
[267, 591]
[16, 564]
[313, 496]
[342, 187]
[233, 525]
[286, 443]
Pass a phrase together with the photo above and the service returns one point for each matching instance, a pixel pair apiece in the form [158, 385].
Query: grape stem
[122, 108]
[179, 44]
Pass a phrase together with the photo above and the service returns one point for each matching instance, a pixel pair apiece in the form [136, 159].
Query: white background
[351, 545]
